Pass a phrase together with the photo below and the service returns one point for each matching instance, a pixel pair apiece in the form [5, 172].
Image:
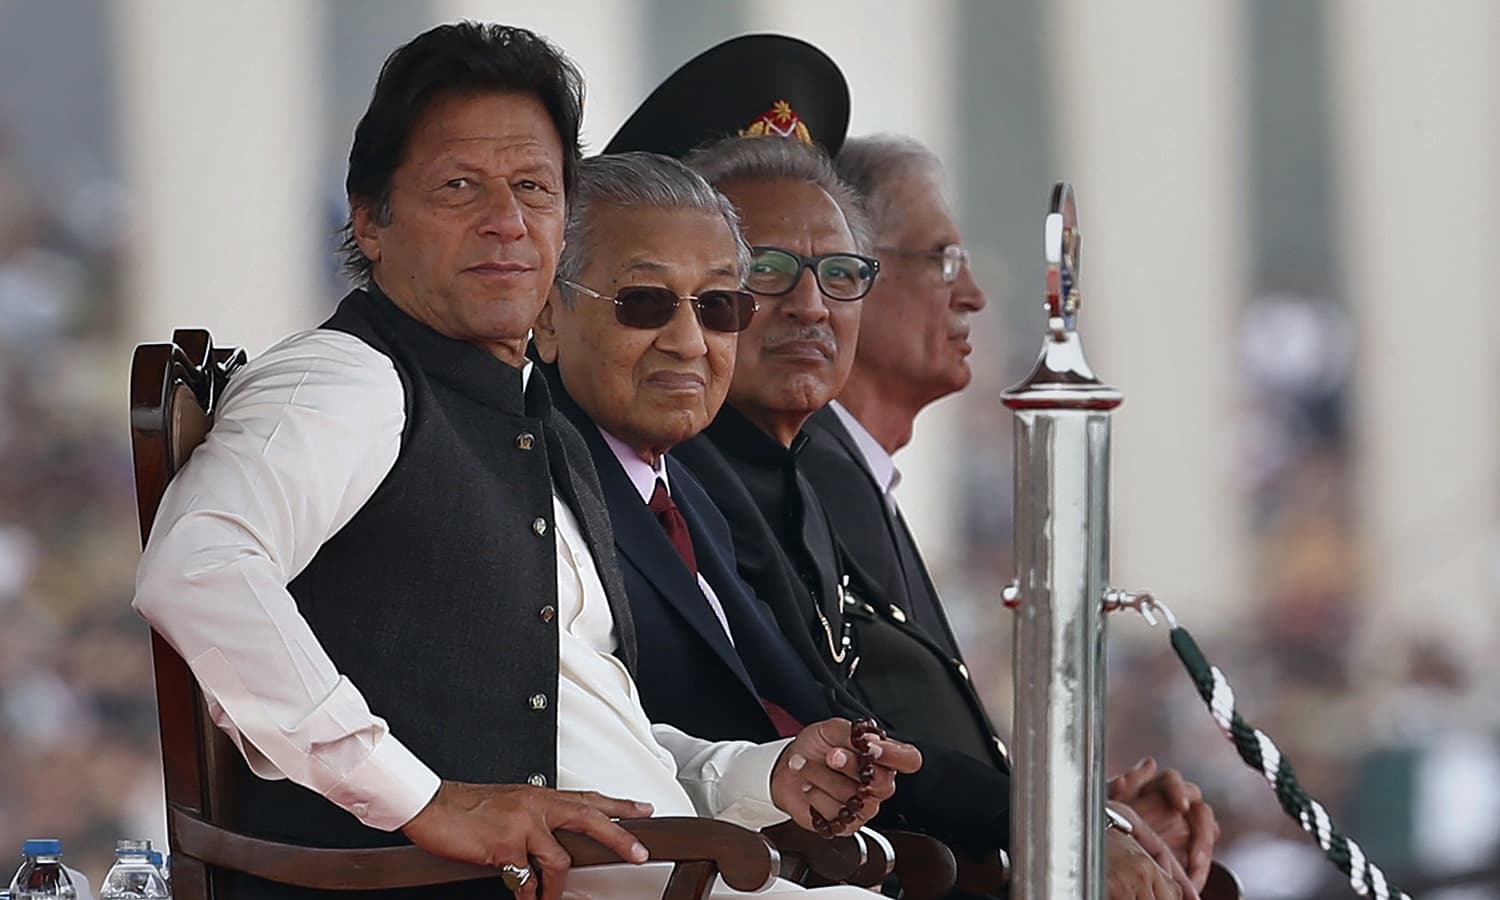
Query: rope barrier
[1260, 753]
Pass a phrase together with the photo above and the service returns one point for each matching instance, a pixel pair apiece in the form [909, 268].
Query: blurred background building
[1289, 210]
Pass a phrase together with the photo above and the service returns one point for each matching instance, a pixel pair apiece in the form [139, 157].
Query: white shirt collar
[877, 461]
[641, 475]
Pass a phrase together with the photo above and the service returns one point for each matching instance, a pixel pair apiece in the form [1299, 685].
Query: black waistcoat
[436, 599]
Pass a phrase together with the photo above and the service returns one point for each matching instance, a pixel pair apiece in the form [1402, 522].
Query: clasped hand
[819, 772]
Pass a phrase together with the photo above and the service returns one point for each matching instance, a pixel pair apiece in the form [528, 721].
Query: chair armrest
[1222, 884]
[807, 858]
[745, 859]
[925, 866]
[880, 859]
[989, 876]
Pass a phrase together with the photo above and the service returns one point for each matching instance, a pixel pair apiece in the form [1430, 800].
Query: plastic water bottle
[161, 866]
[133, 877]
[42, 874]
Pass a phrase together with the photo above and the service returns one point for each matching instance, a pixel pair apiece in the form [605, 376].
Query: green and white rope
[1261, 753]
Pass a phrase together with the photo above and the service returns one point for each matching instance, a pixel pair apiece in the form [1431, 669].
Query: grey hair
[742, 159]
[875, 164]
[638, 179]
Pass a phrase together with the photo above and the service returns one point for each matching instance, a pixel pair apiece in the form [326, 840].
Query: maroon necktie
[676, 527]
[674, 524]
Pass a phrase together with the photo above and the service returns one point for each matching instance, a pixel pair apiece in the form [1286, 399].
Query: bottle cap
[41, 847]
[132, 848]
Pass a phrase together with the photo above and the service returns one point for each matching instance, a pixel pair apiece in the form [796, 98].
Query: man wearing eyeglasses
[913, 349]
[638, 342]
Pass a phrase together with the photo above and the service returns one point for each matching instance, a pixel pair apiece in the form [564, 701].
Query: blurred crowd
[78, 745]
[1413, 770]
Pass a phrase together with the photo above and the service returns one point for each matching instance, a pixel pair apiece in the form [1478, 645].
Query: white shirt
[304, 435]
[644, 477]
[877, 461]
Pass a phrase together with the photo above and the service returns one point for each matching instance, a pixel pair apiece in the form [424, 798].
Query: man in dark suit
[913, 350]
[792, 359]
[712, 660]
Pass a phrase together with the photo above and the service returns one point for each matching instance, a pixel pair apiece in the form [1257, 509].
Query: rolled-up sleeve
[303, 437]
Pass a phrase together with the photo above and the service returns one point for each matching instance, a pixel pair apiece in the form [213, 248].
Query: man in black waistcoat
[389, 565]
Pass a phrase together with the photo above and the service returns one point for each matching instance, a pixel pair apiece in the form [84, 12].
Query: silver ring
[515, 877]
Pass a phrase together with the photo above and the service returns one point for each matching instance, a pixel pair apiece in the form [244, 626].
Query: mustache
[821, 335]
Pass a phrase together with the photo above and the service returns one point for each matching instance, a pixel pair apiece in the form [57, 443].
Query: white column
[221, 110]
[605, 38]
[1416, 141]
[1150, 123]
[899, 61]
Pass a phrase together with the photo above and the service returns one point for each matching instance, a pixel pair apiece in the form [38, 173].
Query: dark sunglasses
[652, 306]
[775, 271]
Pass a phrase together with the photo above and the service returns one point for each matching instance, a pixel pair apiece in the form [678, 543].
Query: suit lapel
[920, 596]
[642, 541]
[639, 537]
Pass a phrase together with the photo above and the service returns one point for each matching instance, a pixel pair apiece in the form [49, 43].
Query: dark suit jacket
[688, 672]
[961, 800]
[917, 679]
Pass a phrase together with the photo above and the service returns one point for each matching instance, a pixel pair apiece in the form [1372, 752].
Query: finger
[1130, 782]
[583, 819]
[882, 784]
[841, 783]
[1204, 830]
[613, 807]
[549, 862]
[1182, 885]
[832, 732]
[824, 804]
[1174, 873]
[897, 755]
[1150, 841]
[1176, 789]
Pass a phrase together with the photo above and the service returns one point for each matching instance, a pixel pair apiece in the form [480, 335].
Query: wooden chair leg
[690, 881]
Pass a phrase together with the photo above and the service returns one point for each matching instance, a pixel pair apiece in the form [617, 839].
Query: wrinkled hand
[1131, 874]
[819, 771]
[511, 824]
[1175, 809]
[1158, 850]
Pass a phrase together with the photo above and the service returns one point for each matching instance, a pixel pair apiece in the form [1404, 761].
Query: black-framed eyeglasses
[953, 257]
[775, 271]
[652, 306]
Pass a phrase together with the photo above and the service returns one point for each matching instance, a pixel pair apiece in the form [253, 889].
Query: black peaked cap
[756, 83]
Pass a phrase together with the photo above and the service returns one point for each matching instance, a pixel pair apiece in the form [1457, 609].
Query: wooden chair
[174, 392]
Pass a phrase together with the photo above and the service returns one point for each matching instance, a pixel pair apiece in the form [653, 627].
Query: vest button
[897, 614]
[538, 702]
[547, 613]
[539, 525]
[1004, 750]
[963, 670]
[525, 440]
[536, 779]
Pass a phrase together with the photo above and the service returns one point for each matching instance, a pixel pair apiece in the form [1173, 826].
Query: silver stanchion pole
[1062, 557]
